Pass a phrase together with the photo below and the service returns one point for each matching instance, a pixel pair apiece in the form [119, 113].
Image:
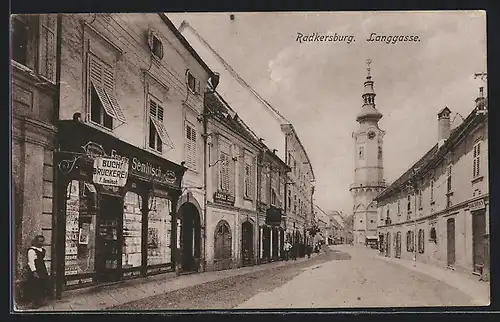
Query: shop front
[116, 204]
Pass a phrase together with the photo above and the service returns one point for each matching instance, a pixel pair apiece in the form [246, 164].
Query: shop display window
[132, 230]
[159, 230]
[81, 210]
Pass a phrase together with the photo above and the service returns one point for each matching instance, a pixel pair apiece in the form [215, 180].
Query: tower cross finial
[368, 63]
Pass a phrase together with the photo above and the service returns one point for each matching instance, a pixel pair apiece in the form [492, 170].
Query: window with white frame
[155, 44]
[399, 207]
[273, 197]
[264, 185]
[190, 146]
[476, 167]
[104, 107]
[248, 188]
[224, 167]
[419, 199]
[192, 83]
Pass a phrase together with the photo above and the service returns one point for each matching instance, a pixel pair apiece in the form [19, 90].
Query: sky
[318, 85]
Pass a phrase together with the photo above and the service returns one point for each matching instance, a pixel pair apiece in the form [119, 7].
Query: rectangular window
[81, 208]
[408, 204]
[399, 207]
[273, 197]
[224, 167]
[420, 199]
[289, 199]
[432, 190]
[476, 168]
[47, 46]
[248, 178]
[21, 37]
[361, 153]
[190, 150]
[104, 107]
[421, 241]
[156, 116]
[132, 230]
[448, 186]
[192, 83]
[263, 190]
[159, 231]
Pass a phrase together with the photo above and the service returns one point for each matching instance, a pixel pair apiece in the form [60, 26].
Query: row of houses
[437, 212]
[129, 160]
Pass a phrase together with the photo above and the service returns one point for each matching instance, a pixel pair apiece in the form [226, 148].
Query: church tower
[369, 167]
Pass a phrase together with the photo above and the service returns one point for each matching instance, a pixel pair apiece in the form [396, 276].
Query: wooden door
[223, 247]
[478, 232]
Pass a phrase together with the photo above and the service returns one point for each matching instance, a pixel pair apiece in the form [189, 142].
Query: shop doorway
[108, 243]
[450, 249]
[190, 237]
[223, 246]
[247, 243]
[275, 243]
[266, 243]
[478, 240]
[282, 242]
[388, 245]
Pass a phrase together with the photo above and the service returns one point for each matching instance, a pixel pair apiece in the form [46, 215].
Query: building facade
[34, 104]
[299, 190]
[369, 167]
[132, 91]
[232, 156]
[272, 172]
[437, 212]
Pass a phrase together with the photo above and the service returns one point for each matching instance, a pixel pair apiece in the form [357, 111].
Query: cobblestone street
[331, 280]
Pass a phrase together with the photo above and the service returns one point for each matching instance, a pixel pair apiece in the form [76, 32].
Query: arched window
[421, 241]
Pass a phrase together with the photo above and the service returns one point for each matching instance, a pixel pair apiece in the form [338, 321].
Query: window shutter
[47, 46]
[159, 114]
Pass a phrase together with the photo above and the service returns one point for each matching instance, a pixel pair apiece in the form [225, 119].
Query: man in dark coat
[38, 277]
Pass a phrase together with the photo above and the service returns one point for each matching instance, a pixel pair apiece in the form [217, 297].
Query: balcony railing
[372, 184]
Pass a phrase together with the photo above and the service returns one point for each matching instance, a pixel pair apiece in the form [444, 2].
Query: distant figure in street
[287, 247]
[38, 278]
[295, 249]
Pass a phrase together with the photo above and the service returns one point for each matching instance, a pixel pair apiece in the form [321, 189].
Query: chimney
[443, 126]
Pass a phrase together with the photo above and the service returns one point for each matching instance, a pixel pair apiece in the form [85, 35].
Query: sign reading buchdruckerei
[109, 171]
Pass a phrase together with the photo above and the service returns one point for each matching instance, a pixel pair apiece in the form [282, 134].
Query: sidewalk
[100, 298]
[468, 284]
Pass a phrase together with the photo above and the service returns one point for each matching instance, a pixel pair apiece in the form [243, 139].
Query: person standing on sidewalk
[38, 277]
[287, 247]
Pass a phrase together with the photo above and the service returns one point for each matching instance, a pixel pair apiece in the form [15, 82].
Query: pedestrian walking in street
[37, 285]
[287, 247]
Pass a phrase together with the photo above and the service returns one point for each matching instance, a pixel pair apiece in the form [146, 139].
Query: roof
[185, 43]
[290, 126]
[222, 112]
[433, 156]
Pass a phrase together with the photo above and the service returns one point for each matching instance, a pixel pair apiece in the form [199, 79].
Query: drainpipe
[56, 269]
[205, 168]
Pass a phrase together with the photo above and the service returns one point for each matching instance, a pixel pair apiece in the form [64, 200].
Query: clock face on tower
[371, 135]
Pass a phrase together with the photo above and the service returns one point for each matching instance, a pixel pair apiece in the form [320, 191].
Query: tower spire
[368, 110]
[368, 68]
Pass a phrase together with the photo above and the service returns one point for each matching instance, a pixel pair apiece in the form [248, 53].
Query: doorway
[108, 250]
[450, 236]
[398, 245]
[223, 246]
[275, 243]
[266, 243]
[190, 237]
[478, 241]
[388, 245]
[247, 243]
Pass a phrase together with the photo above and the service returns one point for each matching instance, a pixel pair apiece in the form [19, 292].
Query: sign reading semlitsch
[477, 205]
[109, 171]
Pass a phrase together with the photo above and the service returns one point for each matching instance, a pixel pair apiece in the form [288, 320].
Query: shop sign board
[224, 198]
[110, 171]
[476, 205]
